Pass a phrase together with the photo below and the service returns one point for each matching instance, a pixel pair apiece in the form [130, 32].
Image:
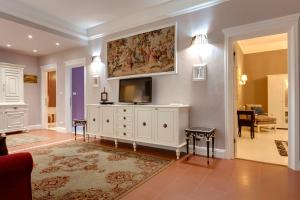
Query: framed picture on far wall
[30, 78]
[144, 54]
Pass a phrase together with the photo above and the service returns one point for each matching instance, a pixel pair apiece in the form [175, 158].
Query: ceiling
[16, 35]
[263, 44]
[74, 22]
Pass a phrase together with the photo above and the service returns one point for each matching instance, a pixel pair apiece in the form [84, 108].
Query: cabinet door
[14, 120]
[165, 126]
[93, 120]
[12, 87]
[144, 123]
[107, 121]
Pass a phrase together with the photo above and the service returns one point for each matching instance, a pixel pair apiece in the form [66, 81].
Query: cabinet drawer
[125, 126]
[124, 118]
[125, 110]
[124, 133]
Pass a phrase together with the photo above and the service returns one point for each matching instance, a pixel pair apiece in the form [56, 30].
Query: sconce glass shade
[200, 39]
[244, 79]
[95, 58]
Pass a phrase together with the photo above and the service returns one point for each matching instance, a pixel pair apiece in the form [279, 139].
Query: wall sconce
[200, 39]
[96, 58]
[243, 79]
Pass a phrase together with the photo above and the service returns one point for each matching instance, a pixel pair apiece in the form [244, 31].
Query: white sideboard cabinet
[13, 110]
[156, 125]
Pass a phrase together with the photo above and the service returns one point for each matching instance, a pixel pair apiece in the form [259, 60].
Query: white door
[165, 126]
[12, 85]
[93, 120]
[107, 121]
[144, 121]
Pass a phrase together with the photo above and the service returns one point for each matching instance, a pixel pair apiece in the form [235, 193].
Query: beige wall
[32, 93]
[257, 66]
[205, 98]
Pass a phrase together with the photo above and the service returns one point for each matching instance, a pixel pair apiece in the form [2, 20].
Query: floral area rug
[282, 147]
[23, 138]
[77, 170]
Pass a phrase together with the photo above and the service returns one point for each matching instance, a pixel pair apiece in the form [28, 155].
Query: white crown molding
[156, 13]
[24, 12]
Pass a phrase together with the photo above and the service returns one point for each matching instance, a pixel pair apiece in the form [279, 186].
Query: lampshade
[244, 77]
[199, 39]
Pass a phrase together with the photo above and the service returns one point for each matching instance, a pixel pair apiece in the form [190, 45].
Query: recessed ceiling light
[8, 45]
[30, 36]
[57, 43]
[34, 50]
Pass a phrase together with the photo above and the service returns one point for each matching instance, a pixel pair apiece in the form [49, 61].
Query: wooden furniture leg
[213, 146]
[187, 147]
[194, 144]
[207, 143]
[75, 131]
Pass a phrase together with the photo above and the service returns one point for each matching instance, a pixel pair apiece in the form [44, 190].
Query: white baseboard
[61, 129]
[34, 127]
[219, 153]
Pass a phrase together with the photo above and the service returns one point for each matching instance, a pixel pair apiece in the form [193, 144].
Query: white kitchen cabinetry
[13, 110]
[156, 125]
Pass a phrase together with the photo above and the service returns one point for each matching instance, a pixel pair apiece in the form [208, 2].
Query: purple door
[78, 93]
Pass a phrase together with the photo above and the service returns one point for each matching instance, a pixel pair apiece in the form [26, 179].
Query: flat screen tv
[135, 90]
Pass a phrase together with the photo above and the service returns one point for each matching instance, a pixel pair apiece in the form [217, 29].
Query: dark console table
[200, 133]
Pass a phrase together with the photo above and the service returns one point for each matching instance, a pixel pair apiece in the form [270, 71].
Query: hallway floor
[262, 148]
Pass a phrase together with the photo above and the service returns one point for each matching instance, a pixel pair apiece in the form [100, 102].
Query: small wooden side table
[80, 122]
[200, 133]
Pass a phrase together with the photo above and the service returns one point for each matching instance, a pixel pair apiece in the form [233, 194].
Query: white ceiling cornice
[29, 14]
[35, 18]
[162, 11]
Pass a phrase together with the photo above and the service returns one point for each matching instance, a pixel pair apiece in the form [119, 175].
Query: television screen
[135, 90]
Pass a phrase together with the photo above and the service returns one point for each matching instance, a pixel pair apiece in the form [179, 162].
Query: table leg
[207, 143]
[213, 147]
[84, 133]
[187, 147]
[75, 131]
[194, 144]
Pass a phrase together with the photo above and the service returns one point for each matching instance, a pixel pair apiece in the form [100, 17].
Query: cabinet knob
[94, 119]
[165, 125]
[107, 120]
[15, 108]
[124, 133]
[124, 110]
[124, 118]
[144, 124]
[124, 126]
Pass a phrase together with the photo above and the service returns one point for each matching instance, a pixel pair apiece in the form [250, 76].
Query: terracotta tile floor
[223, 179]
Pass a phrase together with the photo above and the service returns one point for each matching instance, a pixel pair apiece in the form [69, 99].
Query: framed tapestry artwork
[143, 54]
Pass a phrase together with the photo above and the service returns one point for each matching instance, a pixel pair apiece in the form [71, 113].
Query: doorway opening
[261, 65]
[51, 100]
